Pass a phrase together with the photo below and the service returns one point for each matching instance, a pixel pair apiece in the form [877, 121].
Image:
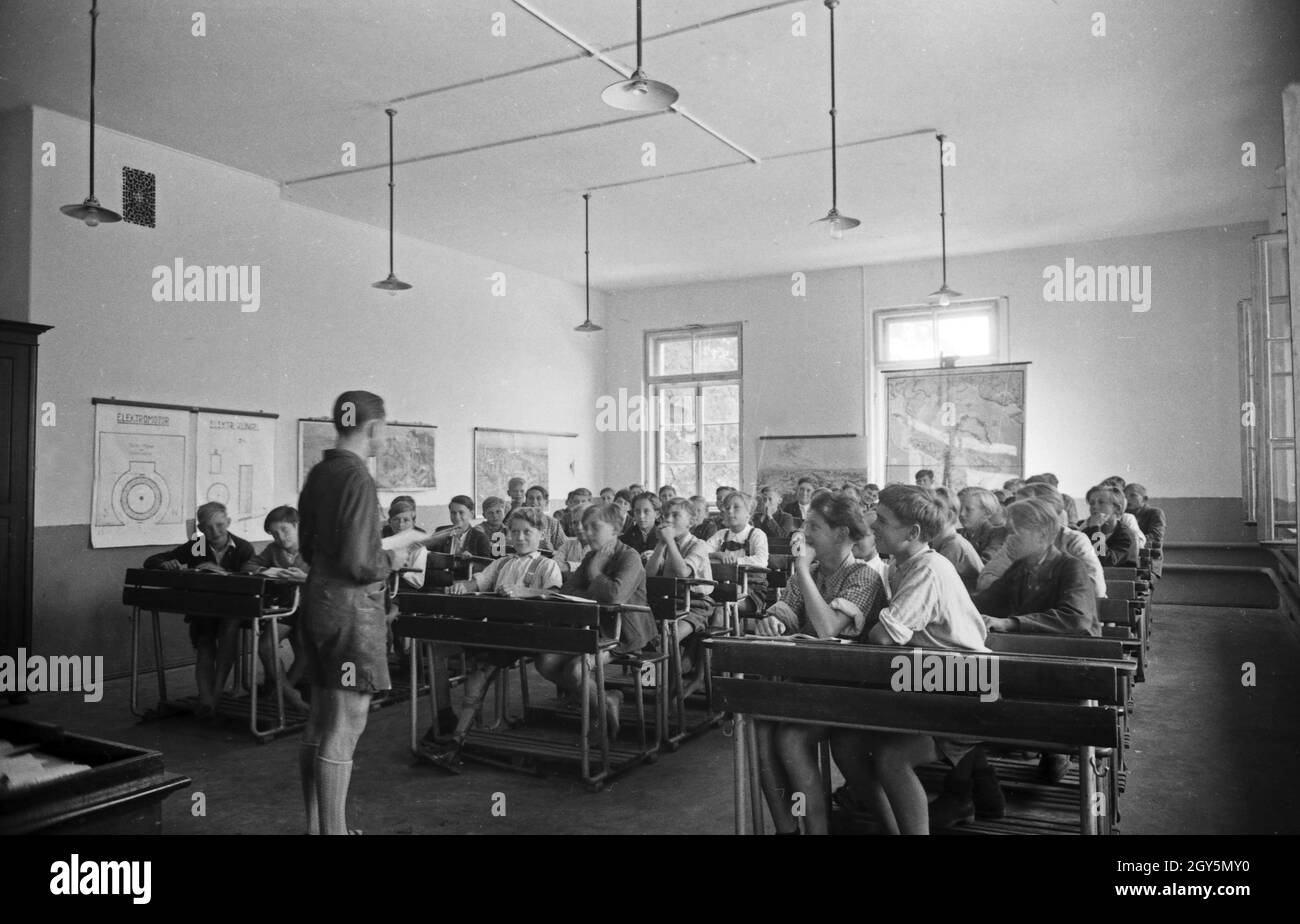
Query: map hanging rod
[185, 407]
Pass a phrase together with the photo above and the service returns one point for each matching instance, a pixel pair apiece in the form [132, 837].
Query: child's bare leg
[895, 758]
[477, 682]
[227, 651]
[852, 751]
[773, 780]
[796, 746]
[205, 670]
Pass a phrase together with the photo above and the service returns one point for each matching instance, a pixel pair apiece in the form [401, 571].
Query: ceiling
[1060, 135]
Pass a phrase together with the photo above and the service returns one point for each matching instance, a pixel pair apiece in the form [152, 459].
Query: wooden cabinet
[17, 480]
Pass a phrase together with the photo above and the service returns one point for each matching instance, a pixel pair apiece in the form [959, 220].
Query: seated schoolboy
[1151, 523]
[803, 494]
[703, 526]
[554, 534]
[1126, 519]
[925, 478]
[611, 573]
[640, 536]
[623, 501]
[1044, 590]
[606, 497]
[983, 520]
[850, 490]
[401, 517]
[1068, 540]
[666, 493]
[741, 543]
[215, 641]
[516, 492]
[281, 561]
[928, 607]
[865, 550]
[526, 573]
[1115, 543]
[954, 547]
[679, 554]
[465, 541]
[494, 525]
[569, 555]
[831, 595]
[768, 515]
[870, 495]
[576, 498]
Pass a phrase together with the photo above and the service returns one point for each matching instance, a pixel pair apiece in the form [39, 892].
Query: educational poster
[406, 465]
[539, 458]
[314, 437]
[831, 460]
[139, 493]
[967, 424]
[235, 465]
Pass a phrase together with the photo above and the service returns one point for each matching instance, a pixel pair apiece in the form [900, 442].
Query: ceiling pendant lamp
[943, 296]
[639, 93]
[586, 326]
[837, 223]
[90, 211]
[392, 284]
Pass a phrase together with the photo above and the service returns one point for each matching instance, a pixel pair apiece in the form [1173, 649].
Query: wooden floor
[1210, 755]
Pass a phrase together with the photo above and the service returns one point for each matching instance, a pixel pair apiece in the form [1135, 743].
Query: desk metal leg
[603, 725]
[741, 773]
[755, 784]
[135, 662]
[414, 658]
[1088, 817]
[158, 659]
[255, 637]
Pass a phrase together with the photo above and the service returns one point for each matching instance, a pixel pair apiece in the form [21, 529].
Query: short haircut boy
[606, 512]
[836, 510]
[209, 510]
[1034, 515]
[530, 515]
[914, 505]
[354, 409]
[465, 501]
[282, 514]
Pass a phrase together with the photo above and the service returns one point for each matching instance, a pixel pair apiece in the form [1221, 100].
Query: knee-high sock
[332, 777]
[307, 773]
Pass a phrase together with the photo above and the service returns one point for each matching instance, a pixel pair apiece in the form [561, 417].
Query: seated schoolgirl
[831, 594]
[928, 607]
[611, 573]
[741, 543]
[640, 536]
[983, 520]
[526, 573]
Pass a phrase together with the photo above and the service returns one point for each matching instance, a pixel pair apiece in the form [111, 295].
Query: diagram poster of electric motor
[140, 484]
[234, 461]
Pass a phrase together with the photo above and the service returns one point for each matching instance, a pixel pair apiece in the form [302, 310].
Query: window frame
[997, 307]
[697, 381]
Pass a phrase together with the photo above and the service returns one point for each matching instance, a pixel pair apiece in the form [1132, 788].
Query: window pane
[909, 338]
[677, 446]
[718, 474]
[717, 354]
[1279, 356]
[1279, 318]
[681, 477]
[1277, 268]
[677, 408]
[721, 442]
[721, 404]
[965, 335]
[674, 357]
[1283, 478]
[1279, 411]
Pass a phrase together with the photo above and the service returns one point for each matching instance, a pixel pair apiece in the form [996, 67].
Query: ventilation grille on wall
[138, 196]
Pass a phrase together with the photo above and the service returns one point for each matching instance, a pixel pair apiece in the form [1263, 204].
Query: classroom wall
[1149, 395]
[443, 353]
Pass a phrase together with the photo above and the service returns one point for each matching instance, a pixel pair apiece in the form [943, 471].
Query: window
[974, 330]
[694, 376]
